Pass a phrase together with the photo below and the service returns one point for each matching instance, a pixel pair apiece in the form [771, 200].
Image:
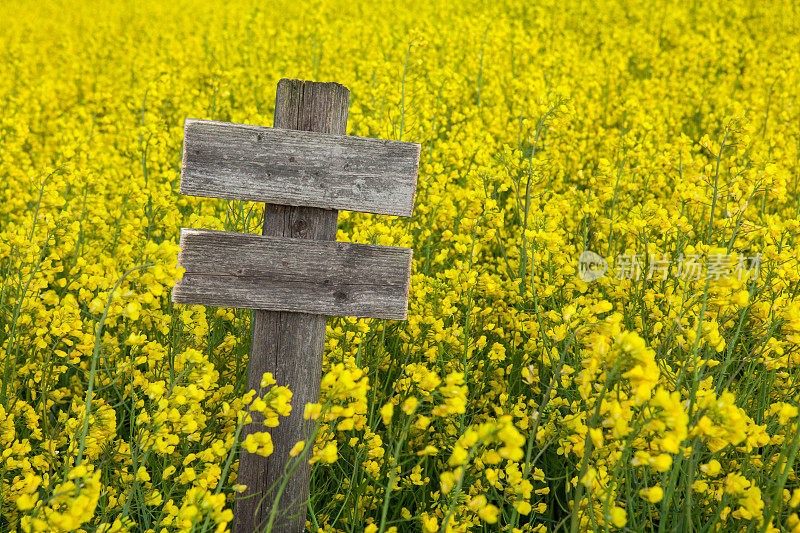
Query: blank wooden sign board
[294, 275]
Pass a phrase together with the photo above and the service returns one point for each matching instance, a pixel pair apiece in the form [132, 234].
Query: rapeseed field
[604, 316]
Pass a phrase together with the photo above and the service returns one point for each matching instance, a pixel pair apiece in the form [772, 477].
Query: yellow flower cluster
[655, 142]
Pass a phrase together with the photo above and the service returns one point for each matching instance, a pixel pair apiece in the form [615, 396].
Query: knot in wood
[300, 227]
[340, 296]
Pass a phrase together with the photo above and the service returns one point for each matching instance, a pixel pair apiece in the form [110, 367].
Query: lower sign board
[243, 270]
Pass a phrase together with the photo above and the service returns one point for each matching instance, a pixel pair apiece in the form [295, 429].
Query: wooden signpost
[305, 169]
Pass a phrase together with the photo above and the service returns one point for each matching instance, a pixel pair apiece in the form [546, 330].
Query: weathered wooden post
[295, 275]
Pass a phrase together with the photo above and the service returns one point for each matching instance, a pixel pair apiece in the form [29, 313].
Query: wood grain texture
[298, 168]
[289, 345]
[226, 269]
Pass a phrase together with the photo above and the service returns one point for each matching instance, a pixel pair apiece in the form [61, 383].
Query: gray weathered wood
[289, 345]
[299, 168]
[226, 269]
